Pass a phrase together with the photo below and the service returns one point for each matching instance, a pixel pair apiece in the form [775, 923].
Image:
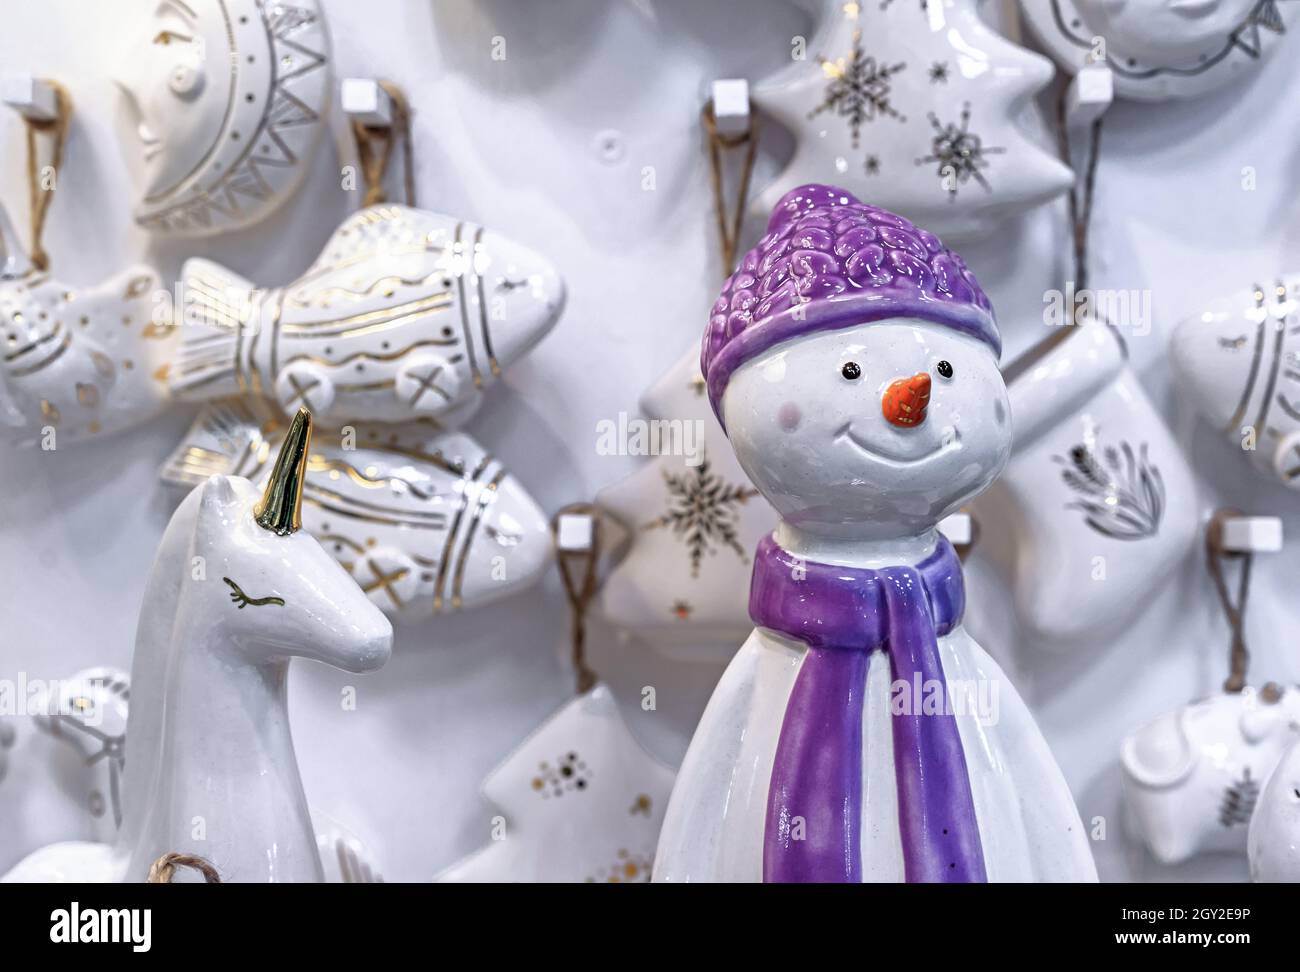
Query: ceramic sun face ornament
[407, 314]
[1274, 838]
[1193, 776]
[1239, 365]
[917, 107]
[80, 363]
[1162, 49]
[228, 102]
[860, 734]
[425, 521]
[237, 589]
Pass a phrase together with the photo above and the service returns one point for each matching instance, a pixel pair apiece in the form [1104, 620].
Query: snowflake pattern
[703, 512]
[958, 152]
[859, 88]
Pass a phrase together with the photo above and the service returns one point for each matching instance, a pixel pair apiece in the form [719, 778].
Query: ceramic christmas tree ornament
[1238, 363]
[852, 359]
[919, 108]
[228, 102]
[1103, 500]
[1193, 776]
[1274, 837]
[580, 800]
[406, 314]
[425, 521]
[235, 593]
[1162, 49]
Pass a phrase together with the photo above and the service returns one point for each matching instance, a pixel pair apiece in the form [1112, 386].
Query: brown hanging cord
[1239, 658]
[1080, 203]
[729, 228]
[40, 197]
[163, 870]
[580, 589]
[375, 148]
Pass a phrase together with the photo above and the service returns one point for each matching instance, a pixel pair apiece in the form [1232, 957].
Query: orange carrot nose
[906, 399]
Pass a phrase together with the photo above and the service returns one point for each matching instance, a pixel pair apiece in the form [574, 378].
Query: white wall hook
[575, 532]
[364, 100]
[957, 528]
[1090, 93]
[1253, 534]
[31, 97]
[731, 106]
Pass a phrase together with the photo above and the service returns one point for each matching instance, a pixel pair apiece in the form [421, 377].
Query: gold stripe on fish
[482, 308]
[445, 561]
[55, 356]
[486, 497]
[458, 249]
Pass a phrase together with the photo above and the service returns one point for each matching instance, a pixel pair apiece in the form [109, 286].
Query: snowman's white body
[853, 489]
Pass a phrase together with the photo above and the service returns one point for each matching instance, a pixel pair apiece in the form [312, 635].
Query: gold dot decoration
[569, 774]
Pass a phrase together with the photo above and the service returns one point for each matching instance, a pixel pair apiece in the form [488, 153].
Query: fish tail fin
[217, 307]
[226, 439]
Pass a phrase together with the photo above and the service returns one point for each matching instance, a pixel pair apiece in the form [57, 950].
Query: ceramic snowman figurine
[1161, 49]
[1274, 842]
[406, 314]
[228, 99]
[860, 734]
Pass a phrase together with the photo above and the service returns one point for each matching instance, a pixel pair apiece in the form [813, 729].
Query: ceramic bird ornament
[860, 734]
[78, 363]
[426, 522]
[406, 314]
[920, 108]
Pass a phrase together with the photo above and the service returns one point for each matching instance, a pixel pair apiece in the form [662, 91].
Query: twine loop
[55, 130]
[1234, 610]
[729, 224]
[579, 575]
[163, 870]
[375, 149]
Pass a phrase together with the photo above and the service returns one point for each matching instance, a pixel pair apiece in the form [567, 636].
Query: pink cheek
[789, 416]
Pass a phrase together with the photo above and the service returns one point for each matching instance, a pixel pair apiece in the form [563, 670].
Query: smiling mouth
[951, 443]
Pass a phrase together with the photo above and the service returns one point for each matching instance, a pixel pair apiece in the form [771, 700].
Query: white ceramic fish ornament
[582, 802]
[78, 363]
[425, 521]
[405, 314]
[1192, 776]
[1238, 363]
[228, 100]
[1162, 49]
[237, 589]
[917, 107]
[1274, 838]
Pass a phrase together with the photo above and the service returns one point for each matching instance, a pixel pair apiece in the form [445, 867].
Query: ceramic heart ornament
[78, 363]
[580, 800]
[237, 589]
[1274, 839]
[860, 734]
[406, 314]
[426, 522]
[1193, 776]
[1162, 49]
[1238, 363]
[227, 101]
[1105, 505]
[694, 520]
[919, 108]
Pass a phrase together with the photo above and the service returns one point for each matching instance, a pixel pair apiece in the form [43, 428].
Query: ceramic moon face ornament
[916, 107]
[860, 734]
[1161, 49]
[425, 521]
[1239, 365]
[78, 363]
[406, 314]
[227, 99]
[1274, 838]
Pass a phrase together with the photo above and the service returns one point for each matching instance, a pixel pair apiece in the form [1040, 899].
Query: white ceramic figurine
[406, 314]
[1274, 841]
[236, 591]
[860, 734]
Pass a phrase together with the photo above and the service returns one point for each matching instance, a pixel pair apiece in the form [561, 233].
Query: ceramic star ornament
[917, 107]
[852, 359]
[1163, 49]
[406, 314]
[227, 101]
[580, 801]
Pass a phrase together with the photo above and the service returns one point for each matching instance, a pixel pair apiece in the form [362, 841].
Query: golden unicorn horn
[280, 508]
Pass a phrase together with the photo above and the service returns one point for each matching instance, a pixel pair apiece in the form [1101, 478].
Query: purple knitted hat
[829, 261]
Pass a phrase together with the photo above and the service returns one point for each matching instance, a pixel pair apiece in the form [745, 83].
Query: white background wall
[513, 144]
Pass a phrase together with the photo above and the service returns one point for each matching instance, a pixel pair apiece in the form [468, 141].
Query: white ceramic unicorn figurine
[861, 734]
[236, 591]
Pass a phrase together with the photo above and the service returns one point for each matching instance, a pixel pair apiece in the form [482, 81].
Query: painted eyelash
[242, 599]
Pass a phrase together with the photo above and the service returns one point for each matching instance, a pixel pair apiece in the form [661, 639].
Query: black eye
[851, 371]
[944, 369]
